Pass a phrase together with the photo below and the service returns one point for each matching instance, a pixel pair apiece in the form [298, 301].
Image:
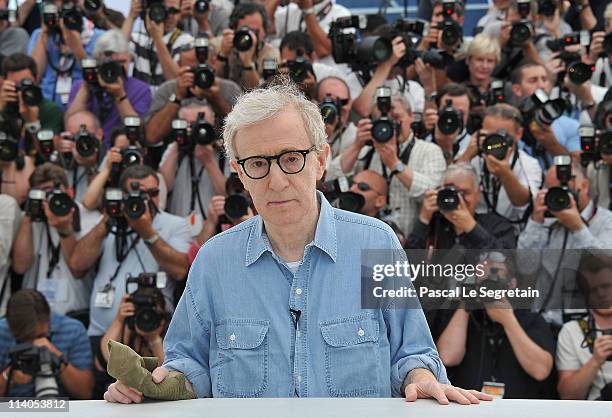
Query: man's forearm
[88, 248]
[79, 103]
[23, 252]
[536, 361]
[321, 41]
[518, 194]
[125, 107]
[249, 79]
[79, 383]
[576, 386]
[174, 263]
[349, 157]
[363, 104]
[160, 124]
[452, 341]
[39, 53]
[68, 243]
[170, 68]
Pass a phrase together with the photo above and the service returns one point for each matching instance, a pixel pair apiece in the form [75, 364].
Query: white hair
[111, 40]
[265, 103]
[465, 168]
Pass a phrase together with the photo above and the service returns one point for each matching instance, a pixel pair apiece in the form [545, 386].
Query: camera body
[201, 6]
[331, 109]
[155, 9]
[594, 143]
[270, 68]
[299, 68]
[448, 199]
[238, 200]
[351, 201]
[9, 147]
[34, 205]
[134, 204]
[418, 125]
[496, 144]
[31, 94]
[332, 189]
[522, 30]
[72, 16]
[547, 7]
[145, 298]
[199, 133]
[450, 120]
[89, 66]
[541, 108]
[452, 32]
[558, 198]
[577, 71]
[352, 48]
[39, 363]
[496, 93]
[203, 76]
[45, 143]
[243, 41]
[86, 143]
[384, 127]
[51, 17]
[113, 202]
[110, 70]
[92, 6]
[133, 129]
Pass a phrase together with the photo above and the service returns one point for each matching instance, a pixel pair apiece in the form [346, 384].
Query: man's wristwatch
[151, 241]
[309, 11]
[248, 67]
[174, 99]
[399, 167]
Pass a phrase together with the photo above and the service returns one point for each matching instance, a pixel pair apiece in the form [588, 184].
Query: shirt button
[298, 291]
[361, 332]
[299, 379]
[232, 337]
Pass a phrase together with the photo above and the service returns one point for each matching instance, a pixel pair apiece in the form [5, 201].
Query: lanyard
[53, 251]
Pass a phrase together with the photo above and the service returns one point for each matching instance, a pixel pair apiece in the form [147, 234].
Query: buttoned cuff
[193, 371]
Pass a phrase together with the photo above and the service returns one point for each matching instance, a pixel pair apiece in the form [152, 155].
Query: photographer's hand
[8, 93]
[126, 309]
[430, 206]
[184, 83]
[72, 39]
[227, 43]
[18, 377]
[461, 218]
[570, 217]
[44, 342]
[602, 349]
[501, 312]
[113, 156]
[596, 48]
[499, 168]
[29, 114]
[399, 50]
[539, 207]
[388, 152]
[143, 225]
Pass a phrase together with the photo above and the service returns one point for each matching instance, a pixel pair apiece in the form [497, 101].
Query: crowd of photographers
[113, 174]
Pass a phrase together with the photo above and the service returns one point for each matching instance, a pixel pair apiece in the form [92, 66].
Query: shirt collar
[325, 235]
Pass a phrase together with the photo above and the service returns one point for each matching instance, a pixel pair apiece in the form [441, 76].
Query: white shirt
[173, 230]
[63, 291]
[571, 357]
[322, 71]
[289, 18]
[529, 174]
[10, 217]
[414, 93]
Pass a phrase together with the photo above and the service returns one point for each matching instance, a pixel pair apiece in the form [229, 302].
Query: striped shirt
[146, 64]
[67, 334]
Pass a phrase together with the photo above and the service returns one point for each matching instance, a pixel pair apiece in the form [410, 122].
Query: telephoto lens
[557, 198]
[497, 144]
[201, 6]
[34, 205]
[134, 203]
[521, 32]
[110, 70]
[298, 69]
[86, 144]
[72, 16]
[351, 201]
[130, 156]
[92, 5]
[243, 41]
[330, 111]
[374, 49]
[59, 202]
[450, 120]
[157, 12]
[448, 199]
[203, 76]
[9, 148]
[202, 132]
[579, 72]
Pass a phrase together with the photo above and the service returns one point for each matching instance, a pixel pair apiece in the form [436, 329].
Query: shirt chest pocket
[351, 356]
[242, 361]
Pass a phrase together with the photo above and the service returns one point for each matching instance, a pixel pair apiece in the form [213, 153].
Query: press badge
[495, 389]
[105, 297]
[62, 87]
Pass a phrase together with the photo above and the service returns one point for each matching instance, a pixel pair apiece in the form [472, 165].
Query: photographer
[15, 169]
[449, 132]
[194, 171]
[10, 218]
[584, 348]
[374, 189]
[26, 111]
[174, 94]
[103, 17]
[205, 16]
[155, 241]
[600, 53]
[155, 43]
[313, 17]
[567, 218]
[81, 150]
[48, 233]
[483, 55]
[29, 320]
[242, 47]
[510, 177]
[13, 39]
[111, 95]
[59, 49]
[456, 221]
[409, 165]
[495, 345]
[558, 138]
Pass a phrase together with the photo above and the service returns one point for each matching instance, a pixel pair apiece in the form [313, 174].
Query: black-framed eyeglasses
[173, 10]
[291, 162]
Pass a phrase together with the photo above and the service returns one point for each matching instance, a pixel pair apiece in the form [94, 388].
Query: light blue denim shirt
[233, 334]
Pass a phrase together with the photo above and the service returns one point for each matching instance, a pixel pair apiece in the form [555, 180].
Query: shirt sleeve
[79, 354]
[181, 236]
[141, 99]
[33, 40]
[567, 357]
[427, 170]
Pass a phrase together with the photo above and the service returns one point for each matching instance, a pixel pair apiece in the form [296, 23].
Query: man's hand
[28, 113]
[388, 152]
[399, 50]
[121, 393]
[135, 9]
[126, 309]
[430, 118]
[552, 23]
[602, 348]
[554, 65]
[113, 156]
[216, 208]
[504, 33]
[500, 311]
[425, 73]
[19, 377]
[116, 89]
[211, 94]
[184, 82]
[205, 154]
[156, 30]
[227, 42]
[461, 218]
[499, 168]
[186, 8]
[143, 225]
[423, 385]
[61, 223]
[8, 93]
[364, 132]
[430, 39]
[570, 217]
[430, 206]
[44, 342]
[596, 46]
[539, 207]
[72, 38]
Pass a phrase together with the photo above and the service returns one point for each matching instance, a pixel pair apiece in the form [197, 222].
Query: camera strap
[195, 187]
[53, 251]
[121, 257]
[157, 79]
[557, 269]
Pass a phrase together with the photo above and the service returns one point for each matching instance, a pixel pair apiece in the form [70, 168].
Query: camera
[110, 70]
[201, 6]
[89, 66]
[130, 156]
[351, 201]
[243, 41]
[155, 9]
[298, 69]
[8, 14]
[133, 130]
[60, 204]
[9, 147]
[410, 30]
[72, 16]
[452, 32]
[201, 45]
[203, 76]
[145, 298]
[39, 363]
[521, 31]
[92, 5]
[113, 202]
[448, 199]
[134, 203]
[547, 7]
[558, 198]
[45, 142]
[51, 16]
[270, 68]
[34, 205]
[383, 128]
[86, 143]
[357, 51]
[332, 189]
[495, 94]
[330, 109]
[180, 133]
[238, 200]
[496, 144]
[418, 125]
[450, 120]
[541, 108]
[30, 92]
[202, 132]
[594, 143]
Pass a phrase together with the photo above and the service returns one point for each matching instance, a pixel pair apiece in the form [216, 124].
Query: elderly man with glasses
[272, 307]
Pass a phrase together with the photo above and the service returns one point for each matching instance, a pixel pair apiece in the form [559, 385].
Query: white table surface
[336, 408]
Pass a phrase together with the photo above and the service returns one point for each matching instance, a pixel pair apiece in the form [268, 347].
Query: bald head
[375, 193]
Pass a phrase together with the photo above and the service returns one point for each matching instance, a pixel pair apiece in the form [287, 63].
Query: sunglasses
[152, 192]
[364, 187]
[173, 10]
